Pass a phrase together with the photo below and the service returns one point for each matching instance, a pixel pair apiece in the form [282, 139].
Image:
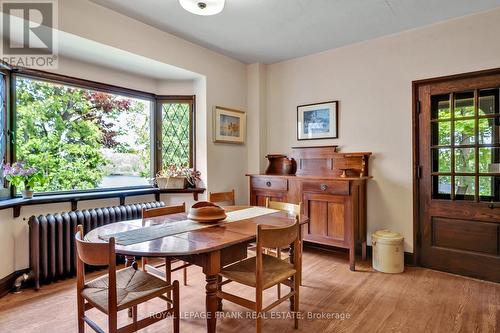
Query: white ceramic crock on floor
[388, 251]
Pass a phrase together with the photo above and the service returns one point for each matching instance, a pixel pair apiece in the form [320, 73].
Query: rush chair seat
[273, 269]
[222, 197]
[156, 269]
[264, 271]
[118, 290]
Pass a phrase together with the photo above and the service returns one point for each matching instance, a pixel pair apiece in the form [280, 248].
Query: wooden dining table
[210, 248]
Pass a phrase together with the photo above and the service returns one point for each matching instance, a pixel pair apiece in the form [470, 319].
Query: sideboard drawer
[327, 187]
[269, 183]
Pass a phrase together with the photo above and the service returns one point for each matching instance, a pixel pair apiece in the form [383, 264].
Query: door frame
[415, 147]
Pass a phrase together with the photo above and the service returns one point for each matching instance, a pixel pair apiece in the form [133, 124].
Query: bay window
[87, 136]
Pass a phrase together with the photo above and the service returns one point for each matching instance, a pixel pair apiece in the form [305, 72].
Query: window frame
[454, 147]
[165, 99]
[155, 120]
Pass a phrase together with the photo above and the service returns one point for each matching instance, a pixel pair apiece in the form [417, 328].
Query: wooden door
[328, 219]
[458, 176]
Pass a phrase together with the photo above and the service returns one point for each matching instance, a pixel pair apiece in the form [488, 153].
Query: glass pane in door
[489, 130]
[440, 107]
[465, 145]
[441, 133]
[489, 160]
[465, 160]
[489, 188]
[488, 102]
[464, 105]
[442, 187]
[465, 132]
[441, 160]
[465, 187]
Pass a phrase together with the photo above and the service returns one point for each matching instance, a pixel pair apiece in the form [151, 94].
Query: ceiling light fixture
[203, 7]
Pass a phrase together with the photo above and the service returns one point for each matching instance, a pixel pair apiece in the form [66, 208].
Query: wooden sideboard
[335, 204]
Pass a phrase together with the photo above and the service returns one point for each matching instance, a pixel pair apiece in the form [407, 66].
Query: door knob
[268, 184]
[324, 187]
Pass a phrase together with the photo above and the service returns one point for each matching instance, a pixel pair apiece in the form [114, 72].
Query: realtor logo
[28, 33]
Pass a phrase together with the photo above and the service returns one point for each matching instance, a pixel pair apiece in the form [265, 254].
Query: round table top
[198, 241]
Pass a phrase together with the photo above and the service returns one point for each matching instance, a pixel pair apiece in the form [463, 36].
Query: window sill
[74, 198]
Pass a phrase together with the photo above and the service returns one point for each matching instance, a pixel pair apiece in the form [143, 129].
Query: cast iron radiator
[52, 244]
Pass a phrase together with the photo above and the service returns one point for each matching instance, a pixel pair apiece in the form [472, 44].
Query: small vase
[27, 194]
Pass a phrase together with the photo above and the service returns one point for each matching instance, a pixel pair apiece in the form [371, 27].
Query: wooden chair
[156, 269]
[222, 197]
[265, 271]
[118, 290]
[291, 209]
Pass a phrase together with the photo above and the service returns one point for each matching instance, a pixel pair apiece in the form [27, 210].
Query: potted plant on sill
[177, 177]
[18, 174]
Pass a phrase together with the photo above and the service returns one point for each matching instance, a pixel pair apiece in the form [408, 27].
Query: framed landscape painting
[229, 125]
[317, 121]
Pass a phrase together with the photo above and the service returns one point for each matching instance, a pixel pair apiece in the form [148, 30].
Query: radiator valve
[18, 283]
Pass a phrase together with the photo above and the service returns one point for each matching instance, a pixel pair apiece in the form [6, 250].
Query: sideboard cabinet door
[328, 219]
[258, 197]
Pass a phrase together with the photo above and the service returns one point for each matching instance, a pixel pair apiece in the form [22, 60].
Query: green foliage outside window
[464, 134]
[75, 136]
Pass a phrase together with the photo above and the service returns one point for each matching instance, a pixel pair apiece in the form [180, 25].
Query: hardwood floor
[419, 300]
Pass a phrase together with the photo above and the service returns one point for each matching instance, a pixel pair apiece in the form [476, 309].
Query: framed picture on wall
[229, 125]
[317, 121]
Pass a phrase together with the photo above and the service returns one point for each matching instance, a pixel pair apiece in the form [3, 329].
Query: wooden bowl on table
[206, 212]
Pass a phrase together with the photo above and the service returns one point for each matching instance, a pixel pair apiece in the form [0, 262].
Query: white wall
[256, 122]
[224, 78]
[222, 82]
[372, 80]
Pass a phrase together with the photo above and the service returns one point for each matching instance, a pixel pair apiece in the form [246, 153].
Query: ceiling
[270, 31]
[85, 50]
[88, 51]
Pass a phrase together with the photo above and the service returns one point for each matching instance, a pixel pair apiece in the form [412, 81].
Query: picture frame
[229, 125]
[318, 121]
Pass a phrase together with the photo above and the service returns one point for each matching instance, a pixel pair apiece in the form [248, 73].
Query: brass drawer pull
[268, 184]
[323, 187]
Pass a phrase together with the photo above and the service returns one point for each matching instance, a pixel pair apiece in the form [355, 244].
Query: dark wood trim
[82, 83]
[5, 76]
[193, 133]
[415, 142]
[74, 198]
[337, 103]
[7, 282]
[415, 169]
[165, 99]
[108, 88]
[409, 257]
[461, 76]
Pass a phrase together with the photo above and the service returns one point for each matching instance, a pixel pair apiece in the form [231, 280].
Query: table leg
[211, 302]
[219, 300]
[211, 268]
